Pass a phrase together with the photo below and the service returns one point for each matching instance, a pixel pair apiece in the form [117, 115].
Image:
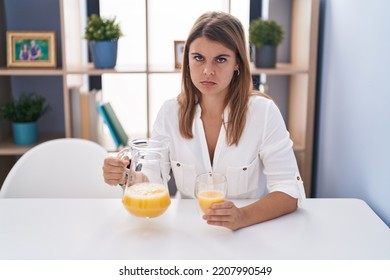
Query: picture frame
[31, 49]
[179, 50]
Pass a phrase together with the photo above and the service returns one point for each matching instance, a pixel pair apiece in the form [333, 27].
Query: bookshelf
[301, 72]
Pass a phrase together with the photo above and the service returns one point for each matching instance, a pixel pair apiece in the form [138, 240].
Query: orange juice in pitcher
[146, 193]
[146, 200]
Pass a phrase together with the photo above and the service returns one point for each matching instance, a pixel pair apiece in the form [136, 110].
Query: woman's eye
[198, 58]
[221, 59]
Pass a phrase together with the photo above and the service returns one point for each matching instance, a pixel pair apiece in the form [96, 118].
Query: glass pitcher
[148, 144]
[146, 193]
[151, 145]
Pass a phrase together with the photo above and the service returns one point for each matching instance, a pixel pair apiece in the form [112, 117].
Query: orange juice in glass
[210, 188]
[146, 193]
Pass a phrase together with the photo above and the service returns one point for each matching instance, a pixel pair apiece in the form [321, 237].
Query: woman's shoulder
[170, 103]
[166, 117]
[169, 107]
[259, 100]
[261, 104]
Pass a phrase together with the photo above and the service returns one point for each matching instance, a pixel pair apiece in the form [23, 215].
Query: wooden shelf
[88, 69]
[298, 148]
[280, 69]
[9, 148]
[31, 71]
[125, 69]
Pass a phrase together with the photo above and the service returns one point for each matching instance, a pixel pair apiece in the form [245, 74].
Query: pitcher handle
[124, 154]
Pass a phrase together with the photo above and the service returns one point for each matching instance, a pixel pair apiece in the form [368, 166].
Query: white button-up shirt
[262, 162]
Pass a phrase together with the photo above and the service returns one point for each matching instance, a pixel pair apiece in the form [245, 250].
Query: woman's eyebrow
[196, 53]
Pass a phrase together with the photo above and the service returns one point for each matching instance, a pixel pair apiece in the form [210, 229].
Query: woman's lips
[207, 83]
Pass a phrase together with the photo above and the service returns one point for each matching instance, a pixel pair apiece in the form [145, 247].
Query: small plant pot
[104, 53]
[25, 133]
[265, 57]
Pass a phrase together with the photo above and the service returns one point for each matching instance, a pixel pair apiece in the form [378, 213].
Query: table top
[102, 229]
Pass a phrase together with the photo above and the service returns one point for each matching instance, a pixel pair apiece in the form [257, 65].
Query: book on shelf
[114, 125]
[85, 119]
[75, 112]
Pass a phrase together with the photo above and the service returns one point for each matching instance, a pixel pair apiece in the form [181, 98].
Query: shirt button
[298, 178]
[178, 164]
[244, 168]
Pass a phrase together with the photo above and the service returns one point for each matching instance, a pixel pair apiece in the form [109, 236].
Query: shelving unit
[301, 72]
[31, 72]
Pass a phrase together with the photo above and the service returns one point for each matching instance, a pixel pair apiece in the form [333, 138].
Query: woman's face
[212, 66]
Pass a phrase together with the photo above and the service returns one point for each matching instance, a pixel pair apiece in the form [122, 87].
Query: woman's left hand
[225, 214]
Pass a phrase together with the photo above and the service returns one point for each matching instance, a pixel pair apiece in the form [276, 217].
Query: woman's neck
[212, 107]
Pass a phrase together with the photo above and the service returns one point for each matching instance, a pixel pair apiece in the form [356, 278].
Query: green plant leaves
[28, 108]
[102, 29]
[265, 32]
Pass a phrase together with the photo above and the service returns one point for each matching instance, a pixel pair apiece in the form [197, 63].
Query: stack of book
[86, 122]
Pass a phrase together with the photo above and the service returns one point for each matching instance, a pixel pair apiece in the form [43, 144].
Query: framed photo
[31, 49]
[179, 50]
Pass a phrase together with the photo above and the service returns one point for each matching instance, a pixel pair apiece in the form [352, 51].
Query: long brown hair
[227, 30]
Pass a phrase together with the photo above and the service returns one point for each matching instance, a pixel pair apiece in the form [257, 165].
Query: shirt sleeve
[276, 152]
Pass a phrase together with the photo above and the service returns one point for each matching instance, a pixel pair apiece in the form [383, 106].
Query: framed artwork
[179, 50]
[31, 49]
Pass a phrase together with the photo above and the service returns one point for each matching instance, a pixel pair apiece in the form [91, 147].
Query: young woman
[218, 123]
[24, 53]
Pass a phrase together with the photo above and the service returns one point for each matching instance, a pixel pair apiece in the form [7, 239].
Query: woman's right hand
[114, 170]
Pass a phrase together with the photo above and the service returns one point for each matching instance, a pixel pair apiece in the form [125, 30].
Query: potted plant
[24, 113]
[103, 34]
[265, 35]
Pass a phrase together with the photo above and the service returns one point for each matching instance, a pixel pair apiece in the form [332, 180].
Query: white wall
[353, 148]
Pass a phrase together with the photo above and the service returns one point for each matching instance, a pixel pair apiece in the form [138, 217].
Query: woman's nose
[208, 69]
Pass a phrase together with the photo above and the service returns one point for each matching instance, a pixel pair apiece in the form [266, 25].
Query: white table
[102, 229]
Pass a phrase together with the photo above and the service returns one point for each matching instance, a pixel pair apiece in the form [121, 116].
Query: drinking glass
[146, 193]
[210, 188]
